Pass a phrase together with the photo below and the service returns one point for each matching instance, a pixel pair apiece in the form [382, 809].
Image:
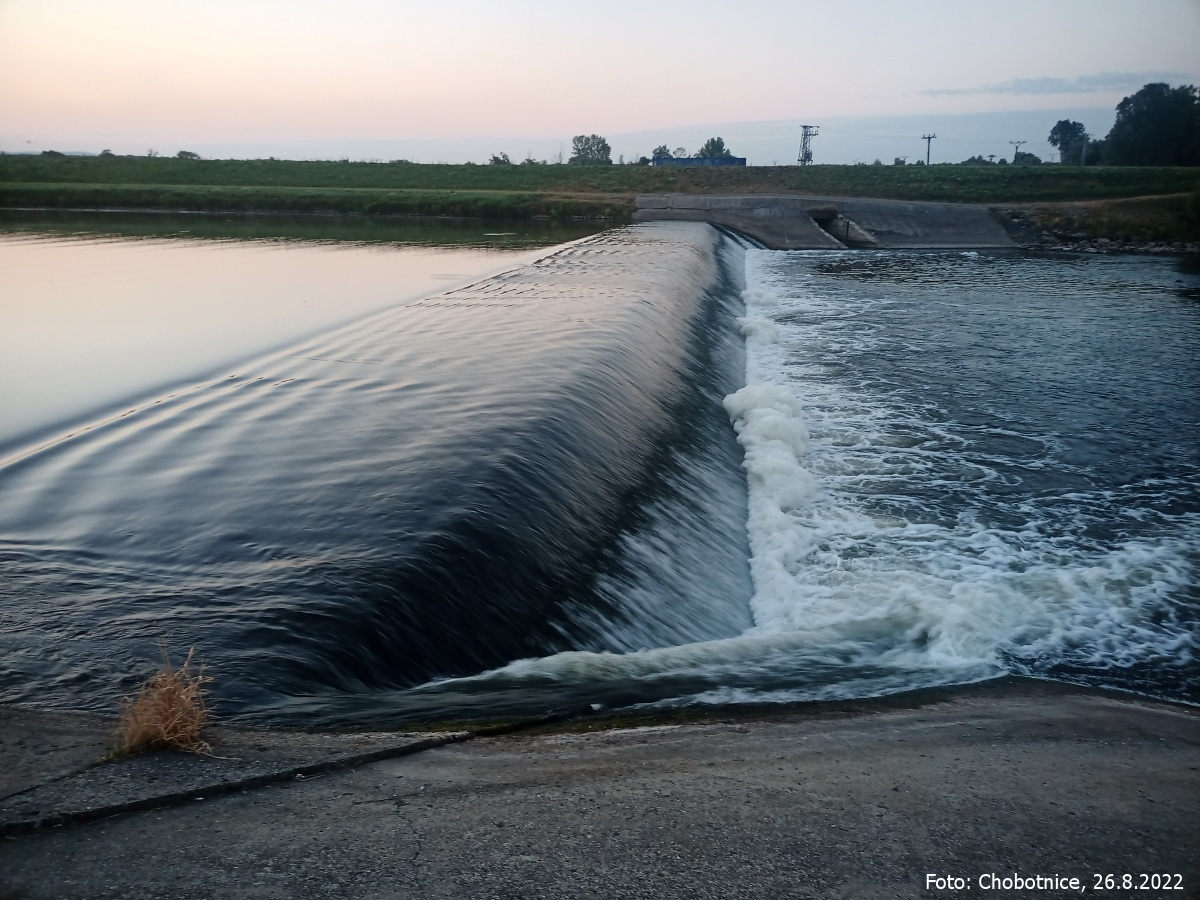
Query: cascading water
[526, 494]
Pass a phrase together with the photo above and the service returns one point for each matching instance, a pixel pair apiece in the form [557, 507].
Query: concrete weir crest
[834, 223]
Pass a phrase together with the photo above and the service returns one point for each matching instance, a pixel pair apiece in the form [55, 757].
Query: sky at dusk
[458, 80]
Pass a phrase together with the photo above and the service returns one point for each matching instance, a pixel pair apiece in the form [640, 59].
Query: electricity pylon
[808, 133]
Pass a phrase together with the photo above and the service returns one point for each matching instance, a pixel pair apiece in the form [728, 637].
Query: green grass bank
[499, 205]
[1138, 220]
[529, 191]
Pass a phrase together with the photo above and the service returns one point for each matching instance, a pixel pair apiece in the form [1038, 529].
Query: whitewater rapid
[894, 548]
[851, 534]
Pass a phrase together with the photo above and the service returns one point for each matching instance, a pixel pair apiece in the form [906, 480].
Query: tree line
[593, 150]
[1157, 126]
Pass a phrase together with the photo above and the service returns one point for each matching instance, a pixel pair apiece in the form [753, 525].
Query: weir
[525, 494]
[828, 223]
[533, 463]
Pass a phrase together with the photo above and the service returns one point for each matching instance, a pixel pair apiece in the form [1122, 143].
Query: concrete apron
[831, 223]
[866, 799]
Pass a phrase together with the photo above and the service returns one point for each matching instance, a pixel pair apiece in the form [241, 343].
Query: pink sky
[131, 74]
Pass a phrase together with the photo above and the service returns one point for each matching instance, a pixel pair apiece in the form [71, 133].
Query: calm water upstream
[98, 310]
[654, 467]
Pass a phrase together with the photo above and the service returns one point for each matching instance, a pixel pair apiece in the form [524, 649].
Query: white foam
[935, 593]
[861, 587]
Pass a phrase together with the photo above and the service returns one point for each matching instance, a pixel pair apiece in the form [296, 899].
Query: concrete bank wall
[799, 223]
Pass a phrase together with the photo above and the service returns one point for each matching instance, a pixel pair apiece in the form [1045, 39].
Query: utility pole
[809, 132]
[1017, 148]
[928, 139]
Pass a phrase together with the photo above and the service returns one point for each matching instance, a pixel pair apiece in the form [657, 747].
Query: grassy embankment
[1138, 220]
[564, 192]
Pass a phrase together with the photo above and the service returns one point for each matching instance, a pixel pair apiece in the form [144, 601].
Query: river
[656, 466]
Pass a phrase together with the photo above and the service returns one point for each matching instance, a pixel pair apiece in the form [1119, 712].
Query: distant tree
[661, 152]
[106, 152]
[530, 161]
[714, 148]
[681, 153]
[1071, 139]
[900, 161]
[1157, 126]
[590, 150]
[501, 160]
[1021, 158]
[643, 161]
[976, 161]
[187, 154]
[53, 153]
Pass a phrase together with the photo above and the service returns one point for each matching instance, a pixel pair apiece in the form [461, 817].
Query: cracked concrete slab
[862, 799]
[56, 769]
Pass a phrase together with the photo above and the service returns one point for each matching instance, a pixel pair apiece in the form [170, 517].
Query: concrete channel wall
[816, 223]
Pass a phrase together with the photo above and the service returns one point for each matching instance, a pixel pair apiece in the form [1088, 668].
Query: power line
[1017, 148]
[928, 139]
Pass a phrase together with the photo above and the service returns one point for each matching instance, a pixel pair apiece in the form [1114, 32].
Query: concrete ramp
[782, 223]
[896, 223]
[822, 223]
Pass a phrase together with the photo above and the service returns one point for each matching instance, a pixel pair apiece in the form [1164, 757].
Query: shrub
[169, 712]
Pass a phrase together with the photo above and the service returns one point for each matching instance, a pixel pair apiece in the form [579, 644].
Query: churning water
[967, 462]
[526, 494]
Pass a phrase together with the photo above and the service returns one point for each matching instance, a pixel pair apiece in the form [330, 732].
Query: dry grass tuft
[169, 712]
